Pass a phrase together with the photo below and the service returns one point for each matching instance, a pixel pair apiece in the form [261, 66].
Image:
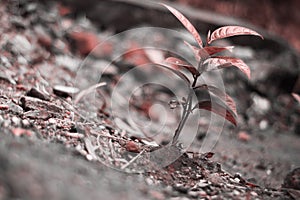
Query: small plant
[207, 61]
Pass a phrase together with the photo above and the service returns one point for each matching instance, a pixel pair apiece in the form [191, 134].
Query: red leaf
[217, 109]
[178, 73]
[213, 50]
[228, 31]
[187, 24]
[182, 64]
[219, 62]
[296, 96]
[223, 96]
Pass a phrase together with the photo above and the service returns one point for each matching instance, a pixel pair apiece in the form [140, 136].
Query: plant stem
[187, 108]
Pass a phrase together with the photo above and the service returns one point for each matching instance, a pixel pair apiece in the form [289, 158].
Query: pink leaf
[228, 31]
[187, 24]
[213, 50]
[296, 96]
[217, 109]
[219, 62]
[182, 64]
[178, 73]
[223, 96]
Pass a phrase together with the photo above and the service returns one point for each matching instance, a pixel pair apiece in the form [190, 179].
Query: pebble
[34, 92]
[68, 62]
[263, 124]
[132, 147]
[236, 193]
[18, 22]
[64, 91]
[202, 193]
[52, 121]
[253, 193]
[16, 109]
[25, 123]
[21, 44]
[22, 60]
[89, 157]
[4, 107]
[149, 181]
[202, 185]
[5, 62]
[261, 105]
[15, 120]
[193, 194]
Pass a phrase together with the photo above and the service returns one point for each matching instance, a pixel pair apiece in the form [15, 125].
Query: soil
[60, 142]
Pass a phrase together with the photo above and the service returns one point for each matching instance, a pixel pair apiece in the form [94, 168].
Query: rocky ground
[52, 148]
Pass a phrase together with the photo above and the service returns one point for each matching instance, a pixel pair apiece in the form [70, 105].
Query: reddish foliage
[85, 41]
[178, 63]
[228, 31]
[187, 24]
[219, 62]
[218, 109]
[64, 10]
[136, 55]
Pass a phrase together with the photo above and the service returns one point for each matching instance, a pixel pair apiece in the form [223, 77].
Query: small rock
[25, 123]
[180, 188]
[15, 120]
[21, 44]
[253, 193]
[263, 124]
[202, 184]
[4, 107]
[244, 136]
[7, 77]
[65, 91]
[22, 60]
[149, 181]
[132, 147]
[34, 92]
[68, 62]
[236, 193]
[89, 157]
[202, 194]
[261, 105]
[16, 109]
[193, 194]
[18, 22]
[44, 39]
[5, 62]
[52, 121]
